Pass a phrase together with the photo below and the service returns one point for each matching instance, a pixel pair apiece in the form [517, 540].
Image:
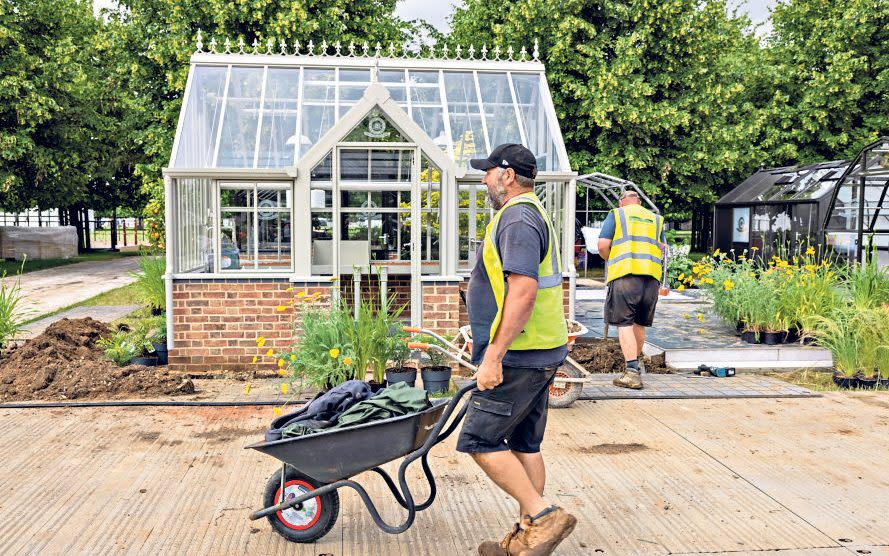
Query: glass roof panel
[267, 116]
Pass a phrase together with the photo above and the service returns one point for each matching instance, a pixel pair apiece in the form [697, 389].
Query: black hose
[144, 403]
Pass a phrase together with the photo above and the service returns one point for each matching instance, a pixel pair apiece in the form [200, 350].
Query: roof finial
[255, 46]
[213, 45]
[297, 47]
[458, 52]
[536, 53]
[496, 52]
[484, 52]
[324, 47]
[241, 45]
[523, 54]
[365, 47]
[283, 47]
[377, 49]
[200, 42]
[269, 45]
[391, 49]
[472, 52]
[444, 51]
[509, 52]
[337, 47]
[228, 46]
[311, 47]
[351, 49]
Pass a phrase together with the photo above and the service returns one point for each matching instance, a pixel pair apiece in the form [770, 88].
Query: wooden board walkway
[643, 477]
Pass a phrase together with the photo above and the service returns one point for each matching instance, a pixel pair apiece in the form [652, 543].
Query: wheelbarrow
[301, 499]
[570, 377]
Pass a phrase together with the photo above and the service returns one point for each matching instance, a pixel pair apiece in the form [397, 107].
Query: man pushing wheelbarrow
[519, 341]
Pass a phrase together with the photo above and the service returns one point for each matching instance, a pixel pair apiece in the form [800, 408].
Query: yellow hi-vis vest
[636, 246]
[546, 328]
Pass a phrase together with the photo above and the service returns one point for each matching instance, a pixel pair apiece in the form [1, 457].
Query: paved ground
[690, 386]
[49, 290]
[676, 323]
[103, 313]
[751, 476]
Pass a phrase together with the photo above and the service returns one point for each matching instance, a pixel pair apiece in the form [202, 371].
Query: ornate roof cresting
[392, 50]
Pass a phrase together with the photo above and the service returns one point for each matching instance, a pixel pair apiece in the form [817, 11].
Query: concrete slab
[49, 290]
[664, 477]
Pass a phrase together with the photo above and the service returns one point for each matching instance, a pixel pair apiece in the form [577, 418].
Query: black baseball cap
[509, 155]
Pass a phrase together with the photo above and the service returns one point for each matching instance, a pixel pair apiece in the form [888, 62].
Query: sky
[437, 12]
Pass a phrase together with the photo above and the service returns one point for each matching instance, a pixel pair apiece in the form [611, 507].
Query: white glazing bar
[189, 82]
[299, 116]
[265, 82]
[555, 132]
[416, 255]
[445, 114]
[169, 217]
[473, 223]
[335, 208]
[481, 111]
[518, 113]
[408, 89]
[228, 76]
[217, 226]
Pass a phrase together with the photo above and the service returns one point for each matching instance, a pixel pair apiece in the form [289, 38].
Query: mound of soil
[604, 356]
[64, 363]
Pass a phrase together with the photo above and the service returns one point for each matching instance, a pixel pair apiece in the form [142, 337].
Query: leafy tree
[157, 37]
[831, 78]
[661, 93]
[59, 117]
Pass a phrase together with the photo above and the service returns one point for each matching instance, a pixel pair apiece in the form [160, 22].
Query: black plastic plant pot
[868, 383]
[844, 381]
[739, 327]
[160, 350]
[749, 336]
[156, 311]
[884, 383]
[436, 379]
[773, 338]
[145, 360]
[395, 375]
[792, 335]
[376, 386]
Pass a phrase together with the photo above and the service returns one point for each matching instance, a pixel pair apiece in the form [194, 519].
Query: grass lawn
[11, 268]
[124, 295]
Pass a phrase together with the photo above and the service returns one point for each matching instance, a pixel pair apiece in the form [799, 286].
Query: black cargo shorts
[511, 416]
[631, 300]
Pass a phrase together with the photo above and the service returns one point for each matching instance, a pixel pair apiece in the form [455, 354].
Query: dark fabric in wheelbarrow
[398, 399]
[323, 411]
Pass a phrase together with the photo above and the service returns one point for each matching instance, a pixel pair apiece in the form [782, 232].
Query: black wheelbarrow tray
[316, 466]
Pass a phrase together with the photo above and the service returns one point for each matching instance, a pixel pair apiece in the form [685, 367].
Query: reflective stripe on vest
[546, 328]
[636, 247]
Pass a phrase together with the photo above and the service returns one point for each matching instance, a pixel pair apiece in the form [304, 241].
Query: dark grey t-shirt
[522, 241]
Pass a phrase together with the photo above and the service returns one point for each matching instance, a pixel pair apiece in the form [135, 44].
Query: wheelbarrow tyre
[315, 519]
[565, 396]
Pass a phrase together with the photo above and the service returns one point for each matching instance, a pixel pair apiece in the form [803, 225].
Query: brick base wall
[216, 322]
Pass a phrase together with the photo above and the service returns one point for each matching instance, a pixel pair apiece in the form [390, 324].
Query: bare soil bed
[604, 356]
[64, 363]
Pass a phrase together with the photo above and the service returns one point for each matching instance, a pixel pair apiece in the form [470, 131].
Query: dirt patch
[226, 433]
[613, 449]
[64, 363]
[604, 356]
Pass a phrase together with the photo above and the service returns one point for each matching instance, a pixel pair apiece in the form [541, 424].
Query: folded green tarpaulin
[398, 399]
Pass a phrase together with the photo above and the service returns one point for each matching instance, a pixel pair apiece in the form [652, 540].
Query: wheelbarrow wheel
[569, 392]
[313, 520]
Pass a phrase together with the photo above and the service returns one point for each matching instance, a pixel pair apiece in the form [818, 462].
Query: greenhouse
[857, 224]
[339, 170]
[777, 206]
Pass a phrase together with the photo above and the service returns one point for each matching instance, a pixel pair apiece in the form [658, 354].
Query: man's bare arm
[604, 247]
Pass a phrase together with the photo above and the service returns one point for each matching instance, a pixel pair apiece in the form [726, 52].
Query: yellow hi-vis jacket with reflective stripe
[546, 328]
[636, 247]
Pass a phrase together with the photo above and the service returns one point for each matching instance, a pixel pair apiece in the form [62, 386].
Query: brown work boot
[494, 548]
[543, 532]
[630, 379]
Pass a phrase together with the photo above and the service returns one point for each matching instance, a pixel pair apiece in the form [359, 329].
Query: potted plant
[437, 375]
[157, 335]
[118, 347]
[140, 340]
[323, 355]
[399, 354]
[150, 284]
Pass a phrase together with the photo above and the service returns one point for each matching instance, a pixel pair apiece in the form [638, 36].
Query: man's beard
[496, 198]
